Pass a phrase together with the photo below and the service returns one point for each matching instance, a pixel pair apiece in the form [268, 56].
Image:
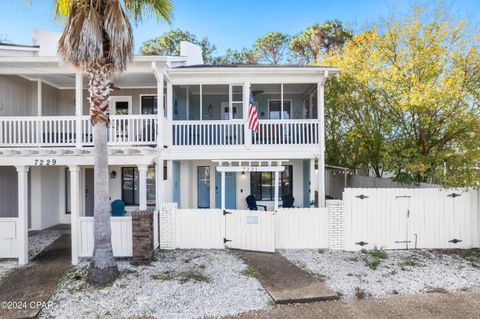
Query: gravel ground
[402, 272]
[36, 243]
[180, 284]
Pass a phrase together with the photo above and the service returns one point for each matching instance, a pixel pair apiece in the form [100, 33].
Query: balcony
[141, 130]
[69, 131]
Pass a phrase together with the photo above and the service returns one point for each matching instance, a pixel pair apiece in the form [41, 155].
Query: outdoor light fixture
[113, 174]
[175, 107]
[210, 109]
[243, 174]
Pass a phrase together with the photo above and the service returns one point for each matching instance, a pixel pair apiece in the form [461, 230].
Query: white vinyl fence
[121, 236]
[411, 218]
[8, 238]
[244, 229]
[301, 228]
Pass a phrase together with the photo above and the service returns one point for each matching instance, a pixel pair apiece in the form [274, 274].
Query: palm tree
[98, 40]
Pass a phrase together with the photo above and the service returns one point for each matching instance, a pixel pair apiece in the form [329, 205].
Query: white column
[223, 190]
[321, 158]
[169, 189]
[75, 209]
[22, 221]
[312, 180]
[275, 203]
[246, 103]
[39, 98]
[160, 107]
[169, 101]
[158, 183]
[142, 186]
[78, 108]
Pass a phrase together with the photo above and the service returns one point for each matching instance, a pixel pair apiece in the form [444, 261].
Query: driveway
[433, 305]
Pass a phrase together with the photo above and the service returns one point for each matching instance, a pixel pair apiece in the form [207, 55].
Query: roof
[276, 66]
[19, 45]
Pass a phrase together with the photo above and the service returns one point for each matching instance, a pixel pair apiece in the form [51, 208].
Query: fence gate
[250, 230]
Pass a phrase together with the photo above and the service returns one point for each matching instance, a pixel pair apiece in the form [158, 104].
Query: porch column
[223, 190]
[39, 97]
[22, 221]
[275, 203]
[160, 107]
[312, 181]
[321, 139]
[169, 187]
[75, 209]
[246, 100]
[78, 108]
[142, 186]
[158, 183]
[169, 101]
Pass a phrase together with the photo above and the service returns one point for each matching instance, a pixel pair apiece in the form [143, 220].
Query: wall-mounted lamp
[243, 174]
[262, 114]
[175, 107]
[316, 171]
[210, 109]
[113, 174]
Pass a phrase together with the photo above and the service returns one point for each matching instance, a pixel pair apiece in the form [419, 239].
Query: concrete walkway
[285, 282]
[424, 306]
[34, 284]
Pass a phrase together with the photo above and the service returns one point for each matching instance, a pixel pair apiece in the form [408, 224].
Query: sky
[228, 23]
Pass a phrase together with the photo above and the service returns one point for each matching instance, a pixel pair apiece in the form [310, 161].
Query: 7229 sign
[45, 162]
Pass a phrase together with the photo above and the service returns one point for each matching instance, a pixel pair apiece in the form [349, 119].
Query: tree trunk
[103, 266]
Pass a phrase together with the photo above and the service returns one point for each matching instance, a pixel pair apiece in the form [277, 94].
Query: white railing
[8, 237]
[286, 132]
[208, 133]
[125, 130]
[121, 236]
[37, 131]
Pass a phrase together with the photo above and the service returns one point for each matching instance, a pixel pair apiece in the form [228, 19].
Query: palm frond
[141, 9]
[119, 32]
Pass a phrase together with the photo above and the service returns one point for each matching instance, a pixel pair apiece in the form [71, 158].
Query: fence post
[142, 237]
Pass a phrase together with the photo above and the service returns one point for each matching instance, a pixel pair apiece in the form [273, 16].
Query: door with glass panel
[203, 186]
[148, 107]
[120, 105]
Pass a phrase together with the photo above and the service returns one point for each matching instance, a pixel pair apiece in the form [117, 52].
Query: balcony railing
[286, 132]
[61, 131]
[141, 130]
[208, 133]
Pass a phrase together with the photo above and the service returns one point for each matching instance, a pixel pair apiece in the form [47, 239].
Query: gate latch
[226, 213]
[226, 240]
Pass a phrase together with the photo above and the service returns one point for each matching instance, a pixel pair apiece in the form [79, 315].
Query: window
[275, 109]
[130, 185]
[149, 104]
[262, 184]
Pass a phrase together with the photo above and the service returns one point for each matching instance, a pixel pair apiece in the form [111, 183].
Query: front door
[89, 191]
[230, 190]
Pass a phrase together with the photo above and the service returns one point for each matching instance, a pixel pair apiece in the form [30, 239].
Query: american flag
[252, 115]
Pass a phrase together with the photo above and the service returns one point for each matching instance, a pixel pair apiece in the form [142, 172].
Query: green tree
[271, 47]
[98, 39]
[308, 46]
[420, 76]
[244, 56]
[169, 44]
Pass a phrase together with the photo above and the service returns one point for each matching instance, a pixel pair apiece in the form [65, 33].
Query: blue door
[230, 192]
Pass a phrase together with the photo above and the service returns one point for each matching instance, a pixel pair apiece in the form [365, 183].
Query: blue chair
[118, 208]
[288, 201]
[252, 203]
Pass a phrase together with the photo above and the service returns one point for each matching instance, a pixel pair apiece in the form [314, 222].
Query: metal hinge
[226, 213]
[226, 240]
[361, 196]
[361, 243]
[455, 241]
[453, 195]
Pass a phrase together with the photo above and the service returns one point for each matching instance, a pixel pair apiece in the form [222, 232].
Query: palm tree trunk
[103, 267]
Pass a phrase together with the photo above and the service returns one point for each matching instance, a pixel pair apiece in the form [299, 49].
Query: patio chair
[252, 203]
[118, 208]
[287, 201]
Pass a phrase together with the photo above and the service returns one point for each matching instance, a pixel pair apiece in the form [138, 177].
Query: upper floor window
[148, 104]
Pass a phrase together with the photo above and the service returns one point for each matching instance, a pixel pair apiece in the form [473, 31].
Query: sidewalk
[35, 282]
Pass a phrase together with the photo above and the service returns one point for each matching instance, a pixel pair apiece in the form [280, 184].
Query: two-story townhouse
[179, 133]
